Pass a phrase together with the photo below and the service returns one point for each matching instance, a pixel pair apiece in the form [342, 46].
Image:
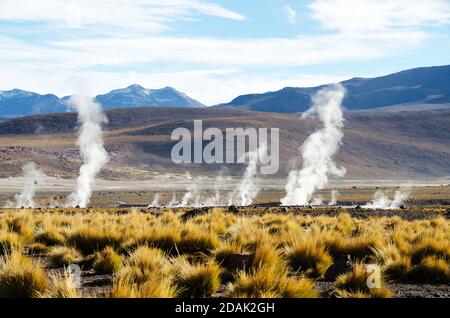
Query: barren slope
[410, 145]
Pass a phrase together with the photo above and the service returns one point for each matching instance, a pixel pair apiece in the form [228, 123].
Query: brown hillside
[376, 146]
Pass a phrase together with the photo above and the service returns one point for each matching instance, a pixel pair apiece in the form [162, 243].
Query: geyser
[382, 201]
[192, 194]
[319, 148]
[248, 187]
[155, 202]
[90, 143]
[31, 178]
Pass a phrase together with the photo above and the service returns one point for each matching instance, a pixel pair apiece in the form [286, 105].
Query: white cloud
[269, 52]
[360, 16]
[291, 14]
[123, 37]
[150, 16]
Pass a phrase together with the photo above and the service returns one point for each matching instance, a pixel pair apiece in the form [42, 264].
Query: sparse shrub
[62, 286]
[63, 255]
[37, 248]
[144, 275]
[124, 287]
[146, 262]
[200, 280]
[398, 269]
[344, 223]
[195, 240]
[23, 225]
[309, 257]
[89, 240]
[9, 242]
[107, 261]
[49, 237]
[358, 248]
[266, 254]
[354, 283]
[20, 277]
[430, 248]
[431, 270]
[162, 238]
[266, 281]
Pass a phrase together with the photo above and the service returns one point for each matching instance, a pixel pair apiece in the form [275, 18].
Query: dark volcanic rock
[233, 209]
[194, 212]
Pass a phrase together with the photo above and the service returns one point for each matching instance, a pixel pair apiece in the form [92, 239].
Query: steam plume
[333, 200]
[155, 202]
[192, 193]
[382, 201]
[319, 148]
[248, 188]
[90, 143]
[32, 176]
[215, 200]
[173, 201]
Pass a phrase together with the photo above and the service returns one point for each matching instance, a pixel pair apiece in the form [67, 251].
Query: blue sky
[214, 50]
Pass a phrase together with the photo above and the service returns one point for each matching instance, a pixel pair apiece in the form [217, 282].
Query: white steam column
[32, 176]
[90, 143]
[319, 148]
[248, 187]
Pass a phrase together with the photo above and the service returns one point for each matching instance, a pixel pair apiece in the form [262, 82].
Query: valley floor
[107, 193]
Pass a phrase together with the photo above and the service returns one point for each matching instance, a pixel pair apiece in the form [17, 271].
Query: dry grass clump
[62, 286]
[146, 263]
[8, 242]
[359, 248]
[266, 254]
[164, 238]
[308, 257]
[147, 257]
[37, 248]
[196, 281]
[266, 281]
[20, 277]
[23, 225]
[431, 269]
[89, 240]
[430, 247]
[63, 255]
[146, 274]
[354, 284]
[344, 224]
[107, 261]
[124, 287]
[398, 269]
[194, 239]
[49, 237]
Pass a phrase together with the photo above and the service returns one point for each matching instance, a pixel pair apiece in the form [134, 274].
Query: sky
[214, 50]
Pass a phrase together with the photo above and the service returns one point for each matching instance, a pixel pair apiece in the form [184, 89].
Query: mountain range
[415, 89]
[16, 102]
[426, 87]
